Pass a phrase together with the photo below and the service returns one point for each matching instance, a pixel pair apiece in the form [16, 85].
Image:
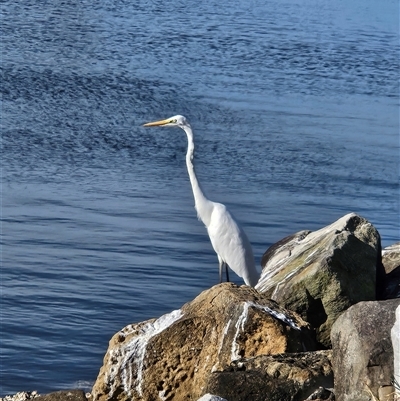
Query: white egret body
[228, 239]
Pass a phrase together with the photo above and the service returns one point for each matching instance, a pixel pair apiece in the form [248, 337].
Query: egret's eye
[173, 121]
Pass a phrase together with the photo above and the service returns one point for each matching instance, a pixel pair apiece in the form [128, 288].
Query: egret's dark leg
[227, 272]
[221, 266]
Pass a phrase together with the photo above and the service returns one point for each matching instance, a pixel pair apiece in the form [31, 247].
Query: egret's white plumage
[227, 237]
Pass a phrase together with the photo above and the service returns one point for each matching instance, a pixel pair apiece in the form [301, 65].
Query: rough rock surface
[391, 257]
[211, 397]
[64, 395]
[395, 335]
[362, 350]
[283, 377]
[172, 357]
[313, 273]
[321, 394]
[21, 396]
[391, 263]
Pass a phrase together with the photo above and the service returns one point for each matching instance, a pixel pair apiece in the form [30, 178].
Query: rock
[320, 274]
[64, 395]
[391, 257]
[321, 394]
[362, 350]
[21, 396]
[395, 335]
[386, 393]
[210, 397]
[173, 356]
[391, 263]
[283, 377]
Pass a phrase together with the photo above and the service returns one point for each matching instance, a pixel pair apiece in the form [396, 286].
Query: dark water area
[295, 109]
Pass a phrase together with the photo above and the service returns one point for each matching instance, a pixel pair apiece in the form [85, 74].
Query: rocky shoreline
[21, 396]
[63, 395]
[322, 323]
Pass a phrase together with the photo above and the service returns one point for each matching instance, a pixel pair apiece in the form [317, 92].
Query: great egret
[227, 237]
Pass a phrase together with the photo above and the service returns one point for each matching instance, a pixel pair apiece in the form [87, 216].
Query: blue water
[295, 108]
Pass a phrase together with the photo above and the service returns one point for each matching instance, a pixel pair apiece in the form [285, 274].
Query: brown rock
[64, 395]
[173, 356]
[320, 274]
[282, 377]
[362, 350]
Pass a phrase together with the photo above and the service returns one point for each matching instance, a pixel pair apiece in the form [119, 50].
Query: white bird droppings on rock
[235, 355]
[239, 327]
[135, 350]
[211, 397]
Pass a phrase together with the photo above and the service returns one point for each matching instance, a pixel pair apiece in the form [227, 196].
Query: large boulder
[362, 351]
[282, 377]
[322, 273]
[172, 357]
[391, 263]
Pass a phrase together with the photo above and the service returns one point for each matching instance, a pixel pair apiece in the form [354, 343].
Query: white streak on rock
[214, 368]
[161, 394]
[287, 277]
[134, 351]
[242, 320]
[277, 315]
[224, 333]
[211, 397]
[311, 255]
[239, 326]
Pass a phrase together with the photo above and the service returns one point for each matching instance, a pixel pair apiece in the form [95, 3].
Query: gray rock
[320, 274]
[362, 350]
[391, 263]
[395, 334]
[321, 394]
[391, 257]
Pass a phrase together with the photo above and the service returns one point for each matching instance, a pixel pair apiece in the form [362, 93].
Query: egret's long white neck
[202, 204]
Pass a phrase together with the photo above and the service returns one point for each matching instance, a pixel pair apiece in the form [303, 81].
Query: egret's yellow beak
[157, 123]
